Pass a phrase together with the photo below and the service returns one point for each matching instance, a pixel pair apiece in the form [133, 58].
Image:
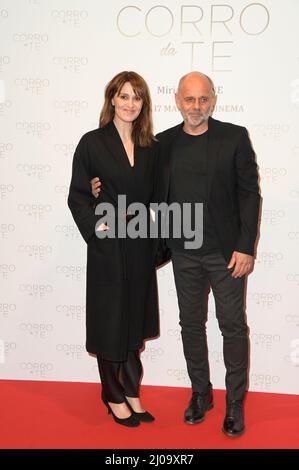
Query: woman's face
[127, 104]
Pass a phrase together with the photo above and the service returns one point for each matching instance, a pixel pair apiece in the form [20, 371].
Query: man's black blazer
[233, 191]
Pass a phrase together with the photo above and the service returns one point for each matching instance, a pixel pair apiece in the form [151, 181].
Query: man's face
[195, 100]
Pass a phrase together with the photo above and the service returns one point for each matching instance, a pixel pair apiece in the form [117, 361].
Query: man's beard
[198, 119]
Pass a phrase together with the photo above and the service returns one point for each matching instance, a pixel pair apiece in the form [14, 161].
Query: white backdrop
[56, 56]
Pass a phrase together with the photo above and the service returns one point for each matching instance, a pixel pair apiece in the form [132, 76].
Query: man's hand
[243, 264]
[95, 186]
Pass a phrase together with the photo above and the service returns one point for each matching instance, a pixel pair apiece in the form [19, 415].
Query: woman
[121, 303]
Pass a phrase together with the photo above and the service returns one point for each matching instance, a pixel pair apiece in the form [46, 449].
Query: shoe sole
[144, 420]
[198, 421]
[240, 433]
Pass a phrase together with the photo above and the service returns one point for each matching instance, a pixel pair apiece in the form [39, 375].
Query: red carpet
[55, 415]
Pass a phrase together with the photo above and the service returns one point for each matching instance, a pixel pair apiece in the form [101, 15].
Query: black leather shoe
[233, 424]
[199, 404]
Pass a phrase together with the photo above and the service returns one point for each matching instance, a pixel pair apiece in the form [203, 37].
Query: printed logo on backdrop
[70, 63]
[269, 259]
[9, 348]
[264, 381]
[206, 34]
[292, 359]
[71, 273]
[65, 149]
[265, 341]
[37, 211]
[72, 312]
[152, 354]
[35, 2]
[174, 333]
[274, 131]
[273, 217]
[161, 312]
[172, 293]
[266, 300]
[3, 14]
[216, 357]
[69, 231]
[72, 108]
[36, 291]
[2, 356]
[294, 236]
[294, 194]
[37, 369]
[4, 62]
[34, 128]
[272, 175]
[5, 149]
[180, 375]
[35, 86]
[71, 351]
[161, 273]
[292, 319]
[36, 252]
[7, 310]
[34, 170]
[6, 190]
[5, 107]
[293, 278]
[34, 42]
[295, 151]
[62, 190]
[7, 271]
[69, 17]
[37, 330]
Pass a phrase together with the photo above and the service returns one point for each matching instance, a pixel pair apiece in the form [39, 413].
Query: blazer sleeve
[248, 194]
[80, 199]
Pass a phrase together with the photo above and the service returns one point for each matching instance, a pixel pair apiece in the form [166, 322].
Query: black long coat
[121, 290]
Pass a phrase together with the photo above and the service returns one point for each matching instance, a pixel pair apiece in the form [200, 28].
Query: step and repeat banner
[56, 57]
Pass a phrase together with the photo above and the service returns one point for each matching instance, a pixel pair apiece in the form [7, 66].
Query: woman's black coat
[121, 293]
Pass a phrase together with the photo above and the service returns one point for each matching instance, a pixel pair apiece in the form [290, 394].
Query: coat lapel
[113, 142]
[116, 149]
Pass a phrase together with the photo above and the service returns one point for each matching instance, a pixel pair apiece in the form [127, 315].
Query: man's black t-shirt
[188, 184]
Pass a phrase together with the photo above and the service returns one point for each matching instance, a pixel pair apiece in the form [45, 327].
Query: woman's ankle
[135, 404]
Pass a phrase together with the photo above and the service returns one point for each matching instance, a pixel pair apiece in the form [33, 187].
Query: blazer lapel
[214, 142]
[167, 158]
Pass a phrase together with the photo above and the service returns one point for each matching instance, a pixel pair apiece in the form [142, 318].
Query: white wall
[55, 59]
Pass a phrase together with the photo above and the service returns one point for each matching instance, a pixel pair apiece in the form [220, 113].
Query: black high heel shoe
[143, 416]
[131, 421]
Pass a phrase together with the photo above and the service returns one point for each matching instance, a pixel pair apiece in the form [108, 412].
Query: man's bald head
[196, 76]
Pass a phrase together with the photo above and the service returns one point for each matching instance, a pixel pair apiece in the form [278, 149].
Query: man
[208, 161]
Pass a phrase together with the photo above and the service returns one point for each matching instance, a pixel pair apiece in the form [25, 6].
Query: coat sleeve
[248, 194]
[80, 199]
